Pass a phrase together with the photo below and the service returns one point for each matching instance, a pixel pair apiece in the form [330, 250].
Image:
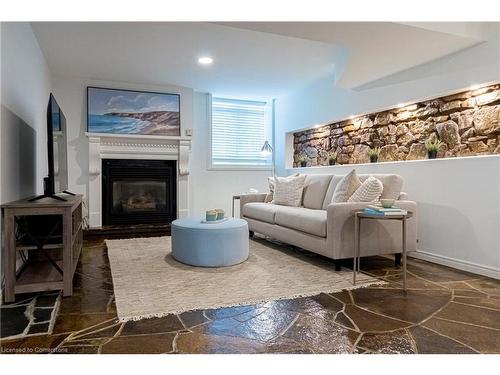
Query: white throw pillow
[369, 191]
[288, 192]
[271, 183]
[346, 187]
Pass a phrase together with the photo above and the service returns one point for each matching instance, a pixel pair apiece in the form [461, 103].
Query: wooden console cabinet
[49, 235]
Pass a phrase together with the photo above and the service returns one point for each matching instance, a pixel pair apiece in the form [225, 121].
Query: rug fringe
[252, 302]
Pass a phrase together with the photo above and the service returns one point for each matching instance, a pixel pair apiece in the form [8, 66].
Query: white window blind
[239, 129]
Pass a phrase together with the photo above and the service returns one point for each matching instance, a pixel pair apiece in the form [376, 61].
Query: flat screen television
[57, 179]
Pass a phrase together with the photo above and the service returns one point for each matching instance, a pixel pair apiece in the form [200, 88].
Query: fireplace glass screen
[133, 196]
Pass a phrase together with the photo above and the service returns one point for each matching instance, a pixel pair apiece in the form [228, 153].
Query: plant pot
[332, 162]
[432, 154]
[303, 164]
[373, 159]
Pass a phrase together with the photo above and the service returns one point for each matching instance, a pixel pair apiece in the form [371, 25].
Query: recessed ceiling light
[401, 105]
[474, 87]
[205, 60]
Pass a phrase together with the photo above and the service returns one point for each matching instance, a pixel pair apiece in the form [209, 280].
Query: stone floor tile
[488, 286]
[143, 344]
[13, 321]
[196, 343]
[46, 300]
[367, 321]
[429, 342]
[77, 322]
[414, 306]
[343, 296]
[193, 318]
[322, 336]
[38, 328]
[344, 320]
[397, 342]
[86, 303]
[227, 312]
[484, 340]
[471, 314]
[42, 314]
[475, 301]
[169, 323]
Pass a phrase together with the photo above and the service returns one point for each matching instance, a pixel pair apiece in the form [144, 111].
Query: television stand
[68, 192]
[50, 235]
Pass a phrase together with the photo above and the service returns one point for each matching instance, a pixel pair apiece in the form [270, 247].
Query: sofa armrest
[247, 198]
[339, 212]
[403, 196]
[340, 219]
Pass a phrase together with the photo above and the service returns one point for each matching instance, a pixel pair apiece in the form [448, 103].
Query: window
[239, 130]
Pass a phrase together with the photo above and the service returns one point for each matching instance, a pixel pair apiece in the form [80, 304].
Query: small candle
[220, 213]
[211, 215]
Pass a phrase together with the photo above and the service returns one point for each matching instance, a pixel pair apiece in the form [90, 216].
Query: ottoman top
[196, 223]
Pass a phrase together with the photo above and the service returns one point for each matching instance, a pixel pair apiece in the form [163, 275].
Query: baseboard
[456, 263]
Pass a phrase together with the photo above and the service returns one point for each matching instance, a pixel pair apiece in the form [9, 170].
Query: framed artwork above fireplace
[116, 111]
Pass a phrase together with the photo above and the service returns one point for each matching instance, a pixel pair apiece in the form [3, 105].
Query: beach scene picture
[132, 112]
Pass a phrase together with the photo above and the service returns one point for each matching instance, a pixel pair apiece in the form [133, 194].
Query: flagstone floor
[445, 311]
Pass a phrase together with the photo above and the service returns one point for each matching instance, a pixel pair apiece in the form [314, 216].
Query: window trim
[230, 167]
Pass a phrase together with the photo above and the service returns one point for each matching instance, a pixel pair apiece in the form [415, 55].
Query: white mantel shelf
[131, 146]
[140, 136]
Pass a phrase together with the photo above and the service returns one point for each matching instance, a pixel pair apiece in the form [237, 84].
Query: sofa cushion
[302, 219]
[315, 187]
[271, 183]
[369, 191]
[346, 187]
[288, 192]
[393, 184]
[260, 211]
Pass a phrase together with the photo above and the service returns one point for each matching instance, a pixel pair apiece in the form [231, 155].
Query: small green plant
[302, 159]
[374, 153]
[331, 155]
[433, 145]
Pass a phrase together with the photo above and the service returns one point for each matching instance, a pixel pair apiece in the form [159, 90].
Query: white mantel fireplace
[117, 146]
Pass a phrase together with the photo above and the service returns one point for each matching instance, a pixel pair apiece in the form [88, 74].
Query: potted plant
[432, 147]
[374, 153]
[302, 159]
[331, 157]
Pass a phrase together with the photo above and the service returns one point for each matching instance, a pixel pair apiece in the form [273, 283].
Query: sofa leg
[251, 233]
[397, 259]
[337, 265]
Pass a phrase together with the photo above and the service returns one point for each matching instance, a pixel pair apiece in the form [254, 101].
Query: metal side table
[361, 215]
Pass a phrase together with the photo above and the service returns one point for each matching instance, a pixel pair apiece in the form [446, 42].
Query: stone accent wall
[468, 123]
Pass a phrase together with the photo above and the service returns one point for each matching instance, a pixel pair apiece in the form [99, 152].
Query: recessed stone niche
[468, 124]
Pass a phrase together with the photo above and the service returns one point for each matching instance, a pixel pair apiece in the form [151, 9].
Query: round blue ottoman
[210, 245]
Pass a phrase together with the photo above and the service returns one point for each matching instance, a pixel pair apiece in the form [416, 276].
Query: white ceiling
[251, 59]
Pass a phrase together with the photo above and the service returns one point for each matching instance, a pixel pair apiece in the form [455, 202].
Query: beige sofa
[328, 228]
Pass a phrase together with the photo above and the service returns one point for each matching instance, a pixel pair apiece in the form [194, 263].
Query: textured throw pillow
[346, 187]
[369, 191]
[288, 192]
[270, 182]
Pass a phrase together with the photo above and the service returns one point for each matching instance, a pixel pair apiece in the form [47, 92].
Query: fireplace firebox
[138, 191]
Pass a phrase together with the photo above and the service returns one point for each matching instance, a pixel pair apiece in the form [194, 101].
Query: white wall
[459, 209]
[26, 84]
[209, 189]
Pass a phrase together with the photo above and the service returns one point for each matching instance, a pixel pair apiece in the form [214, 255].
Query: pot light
[474, 87]
[401, 105]
[205, 60]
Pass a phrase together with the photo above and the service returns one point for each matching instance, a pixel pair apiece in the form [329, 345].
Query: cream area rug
[148, 282]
